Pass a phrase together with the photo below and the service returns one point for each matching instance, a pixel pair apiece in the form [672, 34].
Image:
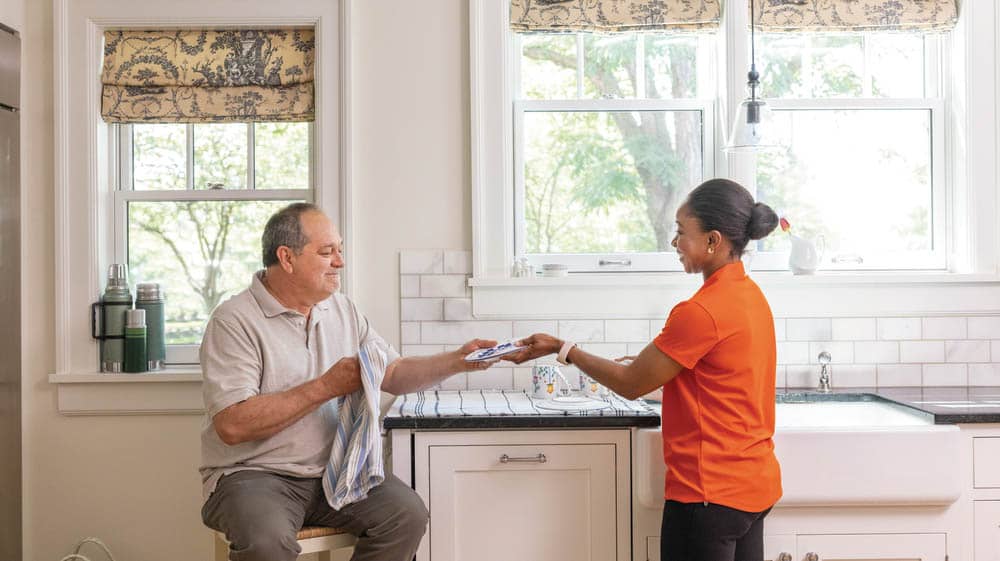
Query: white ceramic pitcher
[804, 257]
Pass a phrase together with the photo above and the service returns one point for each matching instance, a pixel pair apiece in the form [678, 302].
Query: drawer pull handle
[812, 556]
[541, 459]
[784, 556]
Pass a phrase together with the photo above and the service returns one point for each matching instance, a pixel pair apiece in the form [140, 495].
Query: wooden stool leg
[221, 550]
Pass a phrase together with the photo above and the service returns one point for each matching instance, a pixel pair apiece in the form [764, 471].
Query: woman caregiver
[715, 359]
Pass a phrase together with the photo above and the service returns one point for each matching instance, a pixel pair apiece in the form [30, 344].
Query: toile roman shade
[856, 15]
[208, 76]
[605, 16]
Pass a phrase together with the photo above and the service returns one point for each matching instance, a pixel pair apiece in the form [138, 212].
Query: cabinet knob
[784, 556]
[812, 556]
[540, 459]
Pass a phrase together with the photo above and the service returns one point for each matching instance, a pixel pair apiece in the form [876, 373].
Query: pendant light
[753, 124]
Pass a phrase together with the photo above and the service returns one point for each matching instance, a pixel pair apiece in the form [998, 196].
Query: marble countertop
[948, 405]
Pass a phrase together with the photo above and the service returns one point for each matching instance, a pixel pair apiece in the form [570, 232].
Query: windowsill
[177, 391]
[825, 294]
[171, 374]
[764, 278]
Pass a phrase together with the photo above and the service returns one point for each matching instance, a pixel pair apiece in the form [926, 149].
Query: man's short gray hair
[284, 228]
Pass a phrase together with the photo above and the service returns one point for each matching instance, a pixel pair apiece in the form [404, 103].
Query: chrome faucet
[825, 369]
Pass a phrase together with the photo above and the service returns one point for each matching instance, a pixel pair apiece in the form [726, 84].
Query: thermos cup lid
[135, 317]
[118, 275]
[148, 291]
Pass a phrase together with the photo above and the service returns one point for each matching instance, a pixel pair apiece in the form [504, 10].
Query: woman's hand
[538, 345]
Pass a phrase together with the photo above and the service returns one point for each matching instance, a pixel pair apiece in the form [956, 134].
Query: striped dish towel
[490, 403]
[355, 465]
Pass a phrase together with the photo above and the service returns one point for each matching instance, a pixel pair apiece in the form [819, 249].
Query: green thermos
[149, 297]
[135, 340]
[115, 300]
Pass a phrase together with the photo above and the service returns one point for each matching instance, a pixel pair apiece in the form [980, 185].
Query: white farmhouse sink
[845, 414]
[862, 451]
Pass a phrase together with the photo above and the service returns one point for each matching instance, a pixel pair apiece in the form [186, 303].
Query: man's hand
[538, 345]
[472, 346]
[343, 377]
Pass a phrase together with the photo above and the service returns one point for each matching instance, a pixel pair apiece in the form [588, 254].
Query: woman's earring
[711, 249]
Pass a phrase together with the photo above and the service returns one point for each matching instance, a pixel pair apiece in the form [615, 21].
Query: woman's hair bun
[763, 221]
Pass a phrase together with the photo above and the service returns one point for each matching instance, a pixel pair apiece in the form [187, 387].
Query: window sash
[705, 66]
[591, 262]
[123, 193]
[934, 259]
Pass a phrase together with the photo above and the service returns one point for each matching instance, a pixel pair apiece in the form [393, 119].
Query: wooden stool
[312, 539]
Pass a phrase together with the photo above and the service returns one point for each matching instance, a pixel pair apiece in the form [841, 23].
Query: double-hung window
[861, 120]
[190, 205]
[611, 131]
[212, 134]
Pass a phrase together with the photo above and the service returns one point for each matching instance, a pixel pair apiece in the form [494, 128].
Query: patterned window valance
[856, 15]
[202, 76]
[614, 15]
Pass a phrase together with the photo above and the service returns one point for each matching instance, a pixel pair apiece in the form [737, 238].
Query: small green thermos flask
[149, 297]
[135, 340]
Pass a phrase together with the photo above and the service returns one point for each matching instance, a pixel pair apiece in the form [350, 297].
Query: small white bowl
[554, 270]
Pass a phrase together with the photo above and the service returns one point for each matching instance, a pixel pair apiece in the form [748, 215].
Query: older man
[273, 357]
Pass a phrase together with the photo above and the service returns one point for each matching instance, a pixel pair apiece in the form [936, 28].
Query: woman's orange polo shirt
[718, 413]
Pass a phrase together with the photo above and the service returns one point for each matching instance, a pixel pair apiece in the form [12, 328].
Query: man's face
[316, 271]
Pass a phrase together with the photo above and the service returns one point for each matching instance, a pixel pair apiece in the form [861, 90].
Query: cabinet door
[987, 531]
[779, 547]
[544, 503]
[872, 547]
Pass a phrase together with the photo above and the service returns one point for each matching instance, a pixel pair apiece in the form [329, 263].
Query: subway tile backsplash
[436, 315]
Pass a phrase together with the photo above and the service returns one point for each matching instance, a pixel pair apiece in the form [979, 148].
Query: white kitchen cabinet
[871, 547]
[526, 495]
[853, 547]
[779, 548]
[986, 531]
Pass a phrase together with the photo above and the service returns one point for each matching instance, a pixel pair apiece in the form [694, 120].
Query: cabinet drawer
[986, 461]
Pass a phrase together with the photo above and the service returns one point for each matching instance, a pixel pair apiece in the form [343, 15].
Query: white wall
[132, 481]
[12, 13]
[411, 142]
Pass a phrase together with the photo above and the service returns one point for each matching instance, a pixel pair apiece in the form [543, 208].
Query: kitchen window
[609, 131]
[190, 205]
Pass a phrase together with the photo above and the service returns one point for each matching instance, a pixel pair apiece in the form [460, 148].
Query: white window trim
[84, 199]
[971, 200]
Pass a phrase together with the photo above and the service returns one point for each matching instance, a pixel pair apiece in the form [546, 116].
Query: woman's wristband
[563, 357]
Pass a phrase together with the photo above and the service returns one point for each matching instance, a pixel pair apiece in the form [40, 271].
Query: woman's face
[691, 242]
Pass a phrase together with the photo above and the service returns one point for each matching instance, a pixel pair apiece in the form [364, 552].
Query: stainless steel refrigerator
[10, 297]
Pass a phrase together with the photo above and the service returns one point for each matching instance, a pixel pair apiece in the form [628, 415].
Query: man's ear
[286, 258]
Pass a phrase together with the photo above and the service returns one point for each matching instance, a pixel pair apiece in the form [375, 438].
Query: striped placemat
[493, 403]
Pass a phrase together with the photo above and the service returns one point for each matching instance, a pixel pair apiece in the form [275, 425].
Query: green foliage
[204, 251]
